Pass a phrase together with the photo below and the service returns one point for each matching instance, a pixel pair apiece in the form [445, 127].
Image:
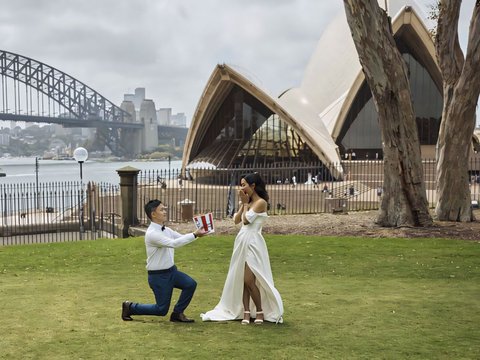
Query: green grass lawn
[344, 298]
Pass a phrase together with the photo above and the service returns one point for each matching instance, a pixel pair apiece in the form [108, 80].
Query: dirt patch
[351, 224]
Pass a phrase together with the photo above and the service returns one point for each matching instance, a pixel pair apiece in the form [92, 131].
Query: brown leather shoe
[180, 317]
[126, 311]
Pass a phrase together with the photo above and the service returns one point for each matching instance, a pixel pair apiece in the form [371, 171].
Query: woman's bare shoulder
[259, 206]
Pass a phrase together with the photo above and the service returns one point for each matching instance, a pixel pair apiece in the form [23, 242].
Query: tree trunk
[461, 88]
[404, 202]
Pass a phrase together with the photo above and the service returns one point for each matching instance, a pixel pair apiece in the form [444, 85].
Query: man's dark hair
[151, 206]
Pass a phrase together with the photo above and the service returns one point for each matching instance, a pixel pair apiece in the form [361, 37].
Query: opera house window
[361, 130]
[244, 132]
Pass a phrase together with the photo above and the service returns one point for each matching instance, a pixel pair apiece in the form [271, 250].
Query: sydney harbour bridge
[33, 91]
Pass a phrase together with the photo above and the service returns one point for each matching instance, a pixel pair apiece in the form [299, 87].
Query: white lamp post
[80, 155]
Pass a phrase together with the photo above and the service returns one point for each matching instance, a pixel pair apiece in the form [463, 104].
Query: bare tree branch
[449, 53]
[471, 68]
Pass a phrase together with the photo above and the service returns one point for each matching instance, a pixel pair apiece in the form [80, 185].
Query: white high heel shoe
[258, 321]
[245, 321]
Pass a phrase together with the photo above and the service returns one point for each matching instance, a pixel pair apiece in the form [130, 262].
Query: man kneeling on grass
[163, 276]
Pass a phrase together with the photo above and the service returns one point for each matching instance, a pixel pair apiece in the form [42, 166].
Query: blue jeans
[162, 286]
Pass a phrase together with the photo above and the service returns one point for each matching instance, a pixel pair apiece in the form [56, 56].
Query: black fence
[293, 190]
[52, 212]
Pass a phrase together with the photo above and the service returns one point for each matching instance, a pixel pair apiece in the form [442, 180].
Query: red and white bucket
[204, 221]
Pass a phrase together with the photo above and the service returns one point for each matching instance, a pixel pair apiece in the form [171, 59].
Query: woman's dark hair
[254, 178]
[151, 206]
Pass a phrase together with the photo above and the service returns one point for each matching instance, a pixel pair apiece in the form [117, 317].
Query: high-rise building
[178, 120]
[164, 116]
[136, 98]
[5, 139]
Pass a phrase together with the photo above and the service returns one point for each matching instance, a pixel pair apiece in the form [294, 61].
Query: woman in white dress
[249, 291]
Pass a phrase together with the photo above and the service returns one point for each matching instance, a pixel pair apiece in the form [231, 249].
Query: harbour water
[22, 170]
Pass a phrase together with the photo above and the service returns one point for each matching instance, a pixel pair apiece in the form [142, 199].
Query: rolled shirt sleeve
[168, 238]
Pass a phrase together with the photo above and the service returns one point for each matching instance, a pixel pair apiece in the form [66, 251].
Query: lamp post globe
[80, 155]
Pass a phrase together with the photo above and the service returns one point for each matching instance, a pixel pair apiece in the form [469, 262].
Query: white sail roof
[318, 107]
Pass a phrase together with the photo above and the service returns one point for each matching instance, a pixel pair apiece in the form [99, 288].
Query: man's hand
[200, 232]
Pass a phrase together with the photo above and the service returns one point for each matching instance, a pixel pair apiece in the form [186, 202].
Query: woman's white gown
[250, 248]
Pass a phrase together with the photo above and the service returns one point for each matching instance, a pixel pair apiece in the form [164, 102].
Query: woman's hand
[244, 198]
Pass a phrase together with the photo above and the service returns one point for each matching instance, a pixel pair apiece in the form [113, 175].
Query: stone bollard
[128, 196]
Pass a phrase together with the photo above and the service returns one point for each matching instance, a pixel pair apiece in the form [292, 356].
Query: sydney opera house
[329, 117]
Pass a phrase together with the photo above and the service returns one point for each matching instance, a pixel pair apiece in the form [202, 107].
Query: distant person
[351, 190]
[180, 182]
[379, 191]
[162, 182]
[163, 275]
[249, 290]
[325, 188]
[294, 181]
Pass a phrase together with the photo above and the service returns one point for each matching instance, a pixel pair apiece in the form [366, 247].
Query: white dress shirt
[160, 245]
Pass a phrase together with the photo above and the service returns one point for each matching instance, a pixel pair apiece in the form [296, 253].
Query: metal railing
[293, 190]
[57, 211]
[50, 212]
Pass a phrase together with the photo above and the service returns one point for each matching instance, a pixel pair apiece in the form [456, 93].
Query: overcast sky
[171, 47]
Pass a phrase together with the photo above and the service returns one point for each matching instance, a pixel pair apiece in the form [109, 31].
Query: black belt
[162, 271]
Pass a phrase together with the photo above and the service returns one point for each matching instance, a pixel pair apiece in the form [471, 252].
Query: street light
[80, 155]
[36, 182]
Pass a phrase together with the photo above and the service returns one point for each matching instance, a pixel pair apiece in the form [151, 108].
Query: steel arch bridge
[32, 91]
